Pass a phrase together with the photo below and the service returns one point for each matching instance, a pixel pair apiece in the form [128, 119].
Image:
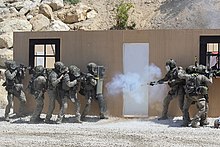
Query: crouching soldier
[38, 86]
[14, 76]
[69, 89]
[196, 91]
[91, 88]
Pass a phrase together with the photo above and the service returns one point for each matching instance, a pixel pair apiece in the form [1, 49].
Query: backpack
[191, 85]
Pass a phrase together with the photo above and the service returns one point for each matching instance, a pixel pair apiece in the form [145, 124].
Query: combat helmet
[39, 69]
[59, 66]
[201, 69]
[74, 70]
[171, 63]
[191, 69]
[91, 67]
[10, 64]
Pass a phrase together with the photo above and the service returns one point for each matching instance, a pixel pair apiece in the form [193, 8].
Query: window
[44, 52]
[210, 51]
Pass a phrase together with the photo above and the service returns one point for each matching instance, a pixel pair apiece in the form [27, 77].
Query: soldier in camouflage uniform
[54, 84]
[196, 91]
[89, 84]
[14, 87]
[176, 85]
[38, 86]
[70, 83]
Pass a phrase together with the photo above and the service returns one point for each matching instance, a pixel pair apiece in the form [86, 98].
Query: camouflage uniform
[38, 85]
[90, 91]
[196, 95]
[177, 87]
[54, 84]
[14, 87]
[69, 90]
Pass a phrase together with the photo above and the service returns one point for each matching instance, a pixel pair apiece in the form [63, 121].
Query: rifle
[156, 83]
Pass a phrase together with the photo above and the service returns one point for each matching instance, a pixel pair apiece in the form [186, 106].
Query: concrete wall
[105, 48]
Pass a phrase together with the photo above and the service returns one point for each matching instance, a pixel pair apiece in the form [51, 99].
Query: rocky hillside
[57, 15]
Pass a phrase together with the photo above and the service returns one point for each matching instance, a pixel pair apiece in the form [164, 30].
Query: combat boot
[163, 118]
[194, 124]
[102, 116]
[78, 119]
[7, 118]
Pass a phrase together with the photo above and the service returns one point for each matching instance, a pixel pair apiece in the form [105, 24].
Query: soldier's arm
[68, 82]
[10, 75]
[183, 75]
[55, 81]
[93, 81]
[166, 78]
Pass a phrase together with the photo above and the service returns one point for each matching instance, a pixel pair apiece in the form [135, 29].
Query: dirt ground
[109, 132]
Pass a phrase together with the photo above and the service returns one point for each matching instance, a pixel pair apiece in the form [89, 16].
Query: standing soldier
[69, 90]
[14, 87]
[91, 87]
[38, 86]
[196, 91]
[54, 84]
[176, 84]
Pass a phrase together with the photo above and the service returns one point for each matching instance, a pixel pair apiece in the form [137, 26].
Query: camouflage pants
[201, 106]
[39, 107]
[101, 102]
[72, 95]
[22, 98]
[172, 94]
[53, 95]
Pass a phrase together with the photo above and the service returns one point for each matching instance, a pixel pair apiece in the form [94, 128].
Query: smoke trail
[135, 85]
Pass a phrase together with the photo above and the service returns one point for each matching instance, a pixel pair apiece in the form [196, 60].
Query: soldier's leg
[166, 103]
[203, 120]
[201, 111]
[52, 96]
[87, 107]
[38, 109]
[64, 106]
[186, 117]
[75, 100]
[9, 106]
[22, 99]
[102, 106]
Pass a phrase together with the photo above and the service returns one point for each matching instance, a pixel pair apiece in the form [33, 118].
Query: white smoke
[136, 85]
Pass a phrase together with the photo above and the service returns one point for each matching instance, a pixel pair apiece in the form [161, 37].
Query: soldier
[91, 87]
[196, 90]
[14, 87]
[54, 84]
[176, 85]
[70, 83]
[38, 86]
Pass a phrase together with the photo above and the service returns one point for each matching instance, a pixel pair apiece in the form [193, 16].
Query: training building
[121, 52]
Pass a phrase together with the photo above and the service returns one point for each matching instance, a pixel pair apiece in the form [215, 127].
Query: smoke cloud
[136, 85]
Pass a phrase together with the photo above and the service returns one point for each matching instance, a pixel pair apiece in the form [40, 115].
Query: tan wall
[105, 47]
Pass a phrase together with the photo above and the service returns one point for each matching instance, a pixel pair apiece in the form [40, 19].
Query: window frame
[204, 40]
[33, 42]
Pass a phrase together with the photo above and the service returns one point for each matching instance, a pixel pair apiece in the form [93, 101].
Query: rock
[91, 14]
[5, 54]
[39, 21]
[55, 4]
[56, 25]
[46, 10]
[3, 95]
[15, 24]
[6, 40]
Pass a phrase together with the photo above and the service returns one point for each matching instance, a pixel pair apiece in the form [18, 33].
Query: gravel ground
[109, 132]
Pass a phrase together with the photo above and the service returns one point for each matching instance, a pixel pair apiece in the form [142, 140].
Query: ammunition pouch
[203, 90]
[18, 87]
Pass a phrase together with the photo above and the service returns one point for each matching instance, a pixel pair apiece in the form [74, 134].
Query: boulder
[55, 4]
[56, 25]
[15, 24]
[46, 10]
[39, 21]
[91, 14]
[6, 40]
[5, 54]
